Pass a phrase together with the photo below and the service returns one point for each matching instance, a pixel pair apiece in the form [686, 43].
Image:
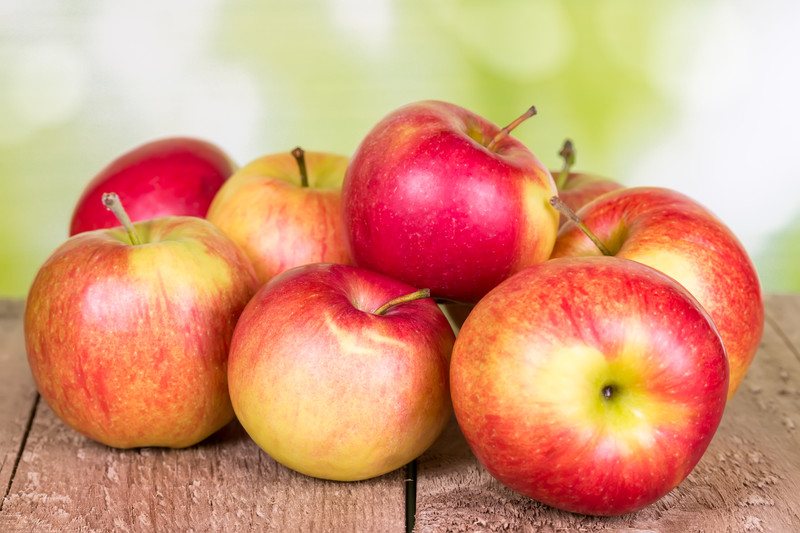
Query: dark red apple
[438, 197]
[173, 176]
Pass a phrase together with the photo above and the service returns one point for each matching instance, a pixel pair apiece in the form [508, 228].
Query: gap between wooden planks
[748, 480]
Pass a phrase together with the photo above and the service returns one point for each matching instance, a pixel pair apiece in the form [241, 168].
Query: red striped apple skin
[129, 344]
[534, 356]
[427, 203]
[328, 388]
[172, 176]
[679, 237]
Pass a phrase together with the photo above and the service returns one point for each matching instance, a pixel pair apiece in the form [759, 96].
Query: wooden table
[53, 479]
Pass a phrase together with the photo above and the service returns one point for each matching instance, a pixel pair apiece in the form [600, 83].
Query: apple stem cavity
[300, 156]
[567, 153]
[416, 295]
[503, 133]
[114, 204]
[567, 211]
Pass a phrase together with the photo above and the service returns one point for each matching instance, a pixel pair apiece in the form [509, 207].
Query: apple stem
[416, 295]
[505, 131]
[567, 153]
[567, 211]
[114, 204]
[300, 157]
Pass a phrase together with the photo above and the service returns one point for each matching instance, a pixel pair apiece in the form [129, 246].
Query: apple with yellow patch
[340, 373]
[127, 331]
[284, 210]
[679, 237]
[593, 385]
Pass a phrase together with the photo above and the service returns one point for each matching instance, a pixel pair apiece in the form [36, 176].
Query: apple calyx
[567, 153]
[114, 204]
[608, 391]
[567, 211]
[416, 295]
[300, 156]
[503, 133]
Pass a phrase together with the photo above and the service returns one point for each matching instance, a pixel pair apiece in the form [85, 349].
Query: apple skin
[677, 236]
[531, 362]
[328, 388]
[427, 203]
[581, 188]
[129, 344]
[172, 176]
[278, 223]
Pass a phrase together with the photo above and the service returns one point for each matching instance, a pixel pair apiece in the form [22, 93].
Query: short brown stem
[565, 210]
[300, 157]
[417, 295]
[113, 204]
[505, 131]
[567, 153]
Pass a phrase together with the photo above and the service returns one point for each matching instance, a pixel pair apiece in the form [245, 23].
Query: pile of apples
[299, 295]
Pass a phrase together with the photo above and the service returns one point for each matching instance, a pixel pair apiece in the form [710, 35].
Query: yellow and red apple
[335, 374]
[127, 334]
[593, 385]
[677, 236]
[284, 210]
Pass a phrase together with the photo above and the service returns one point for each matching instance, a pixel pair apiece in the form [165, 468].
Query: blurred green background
[699, 96]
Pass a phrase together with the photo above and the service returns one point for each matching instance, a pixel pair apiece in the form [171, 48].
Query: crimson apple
[336, 374]
[284, 210]
[677, 236]
[127, 332]
[593, 385]
[438, 197]
[173, 176]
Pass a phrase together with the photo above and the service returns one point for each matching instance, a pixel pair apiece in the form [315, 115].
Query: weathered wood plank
[748, 480]
[783, 312]
[65, 481]
[18, 395]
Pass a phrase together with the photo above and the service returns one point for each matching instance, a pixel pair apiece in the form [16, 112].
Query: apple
[284, 210]
[172, 176]
[677, 236]
[577, 189]
[341, 373]
[593, 385]
[127, 331]
[438, 197]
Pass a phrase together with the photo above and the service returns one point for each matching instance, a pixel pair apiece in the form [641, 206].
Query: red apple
[593, 385]
[577, 189]
[174, 176]
[128, 343]
[331, 381]
[677, 236]
[284, 210]
[438, 197]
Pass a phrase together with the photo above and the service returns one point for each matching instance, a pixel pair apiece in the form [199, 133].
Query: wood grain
[226, 483]
[748, 480]
[18, 390]
[783, 313]
[66, 482]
